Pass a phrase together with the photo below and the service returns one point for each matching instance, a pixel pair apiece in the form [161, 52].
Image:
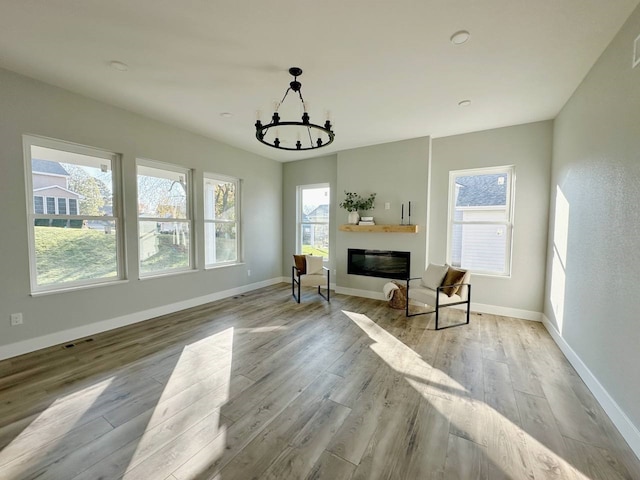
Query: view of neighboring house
[311, 233]
[481, 206]
[51, 194]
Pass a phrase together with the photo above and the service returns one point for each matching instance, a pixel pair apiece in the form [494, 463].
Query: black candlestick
[402, 216]
[409, 213]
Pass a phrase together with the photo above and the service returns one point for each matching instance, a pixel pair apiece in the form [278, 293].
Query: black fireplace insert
[379, 263]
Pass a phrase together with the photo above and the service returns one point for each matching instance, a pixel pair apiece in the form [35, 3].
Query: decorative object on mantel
[300, 129]
[402, 215]
[366, 221]
[354, 202]
[379, 228]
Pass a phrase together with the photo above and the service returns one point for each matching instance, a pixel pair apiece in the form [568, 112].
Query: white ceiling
[386, 70]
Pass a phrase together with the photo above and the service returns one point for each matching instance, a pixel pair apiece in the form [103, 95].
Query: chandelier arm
[310, 139]
[304, 105]
[285, 96]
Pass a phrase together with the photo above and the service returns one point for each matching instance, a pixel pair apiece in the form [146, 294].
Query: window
[313, 220]
[73, 206]
[38, 204]
[62, 206]
[481, 219]
[51, 205]
[164, 218]
[76, 246]
[221, 220]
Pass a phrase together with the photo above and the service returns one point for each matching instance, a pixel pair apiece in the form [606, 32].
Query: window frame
[188, 173]
[299, 214]
[509, 170]
[238, 211]
[116, 215]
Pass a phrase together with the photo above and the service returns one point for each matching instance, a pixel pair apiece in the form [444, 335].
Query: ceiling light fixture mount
[460, 37]
[269, 134]
[117, 65]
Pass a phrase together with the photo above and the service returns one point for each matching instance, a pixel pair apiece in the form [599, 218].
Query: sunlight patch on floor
[54, 423]
[190, 403]
[404, 360]
[420, 375]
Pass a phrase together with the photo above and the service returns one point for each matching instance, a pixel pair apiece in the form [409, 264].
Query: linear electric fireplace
[379, 263]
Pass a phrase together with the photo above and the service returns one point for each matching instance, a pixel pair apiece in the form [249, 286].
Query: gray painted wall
[306, 172]
[397, 172]
[596, 167]
[528, 147]
[29, 106]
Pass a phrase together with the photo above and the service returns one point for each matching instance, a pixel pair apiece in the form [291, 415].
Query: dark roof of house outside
[482, 190]
[47, 166]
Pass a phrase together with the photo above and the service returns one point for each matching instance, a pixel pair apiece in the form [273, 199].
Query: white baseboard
[475, 307]
[505, 311]
[627, 429]
[64, 336]
[355, 292]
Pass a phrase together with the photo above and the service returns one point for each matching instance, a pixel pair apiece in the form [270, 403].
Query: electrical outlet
[387, 206]
[248, 273]
[16, 319]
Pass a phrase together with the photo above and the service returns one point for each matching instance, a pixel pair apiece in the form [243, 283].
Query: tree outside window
[222, 219]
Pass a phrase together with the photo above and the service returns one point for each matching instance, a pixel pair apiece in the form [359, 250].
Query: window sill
[74, 288]
[168, 274]
[226, 265]
[490, 275]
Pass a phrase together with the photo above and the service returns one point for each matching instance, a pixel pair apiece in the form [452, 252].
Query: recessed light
[460, 37]
[226, 115]
[121, 67]
[464, 103]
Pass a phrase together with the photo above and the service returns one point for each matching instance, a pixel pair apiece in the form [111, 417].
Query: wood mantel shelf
[380, 228]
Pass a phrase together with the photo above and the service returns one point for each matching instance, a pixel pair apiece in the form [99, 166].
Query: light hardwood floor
[258, 386]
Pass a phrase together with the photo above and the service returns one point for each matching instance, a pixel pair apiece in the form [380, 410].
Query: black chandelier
[323, 133]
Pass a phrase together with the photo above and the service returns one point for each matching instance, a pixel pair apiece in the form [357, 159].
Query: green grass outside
[311, 250]
[168, 256]
[70, 255]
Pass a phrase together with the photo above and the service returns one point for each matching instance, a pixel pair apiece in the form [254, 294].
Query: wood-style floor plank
[259, 386]
[465, 460]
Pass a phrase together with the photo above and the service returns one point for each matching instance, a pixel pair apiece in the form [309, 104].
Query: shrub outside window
[481, 220]
[221, 220]
[164, 218]
[75, 234]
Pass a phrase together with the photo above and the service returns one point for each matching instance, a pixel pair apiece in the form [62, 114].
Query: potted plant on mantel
[353, 203]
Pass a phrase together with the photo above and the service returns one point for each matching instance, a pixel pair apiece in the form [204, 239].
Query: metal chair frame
[295, 280]
[438, 306]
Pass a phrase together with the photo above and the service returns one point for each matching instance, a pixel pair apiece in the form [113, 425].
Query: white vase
[353, 218]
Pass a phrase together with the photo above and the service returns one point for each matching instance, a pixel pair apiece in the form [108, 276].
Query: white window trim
[187, 172]
[33, 140]
[237, 221]
[299, 216]
[509, 223]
